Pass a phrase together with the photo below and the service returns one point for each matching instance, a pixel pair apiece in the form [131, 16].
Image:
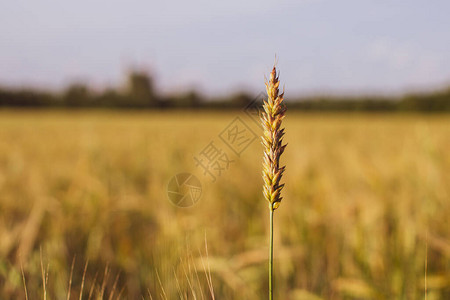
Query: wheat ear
[273, 113]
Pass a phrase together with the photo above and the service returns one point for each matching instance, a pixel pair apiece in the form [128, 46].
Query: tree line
[140, 92]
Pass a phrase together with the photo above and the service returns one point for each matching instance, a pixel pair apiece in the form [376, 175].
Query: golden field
[365, 210]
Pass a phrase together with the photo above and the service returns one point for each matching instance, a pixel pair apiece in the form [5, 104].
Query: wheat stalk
[272, 140]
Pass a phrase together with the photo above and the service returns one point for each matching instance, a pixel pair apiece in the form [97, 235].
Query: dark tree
[77, 95]
[140, 91]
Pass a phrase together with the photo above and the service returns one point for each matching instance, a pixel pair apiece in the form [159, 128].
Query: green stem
[271, 255]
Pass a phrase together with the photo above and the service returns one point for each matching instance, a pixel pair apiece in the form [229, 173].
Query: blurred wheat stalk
[272, 140]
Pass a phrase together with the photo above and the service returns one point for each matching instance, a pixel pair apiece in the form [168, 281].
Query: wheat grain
[272, 139]
[273, 114]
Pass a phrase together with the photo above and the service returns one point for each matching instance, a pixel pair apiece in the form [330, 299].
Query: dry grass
[362, 193]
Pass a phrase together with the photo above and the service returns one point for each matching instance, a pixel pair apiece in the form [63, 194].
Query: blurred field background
[364, 215]
[103, 102]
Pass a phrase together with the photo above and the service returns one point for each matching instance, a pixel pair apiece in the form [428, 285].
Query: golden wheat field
[365, 210]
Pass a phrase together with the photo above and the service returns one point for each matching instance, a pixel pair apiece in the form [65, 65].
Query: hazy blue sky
[218, 46]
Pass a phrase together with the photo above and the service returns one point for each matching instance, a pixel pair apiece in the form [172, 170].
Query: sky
[219, 47]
